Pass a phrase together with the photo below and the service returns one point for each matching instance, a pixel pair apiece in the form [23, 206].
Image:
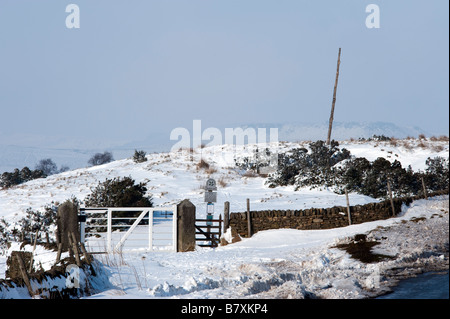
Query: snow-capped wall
[319, 218]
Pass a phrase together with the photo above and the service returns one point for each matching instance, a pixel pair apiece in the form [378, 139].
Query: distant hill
[75, 156]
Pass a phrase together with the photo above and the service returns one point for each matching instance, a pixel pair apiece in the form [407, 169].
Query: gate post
[185, 226]
[67, 222]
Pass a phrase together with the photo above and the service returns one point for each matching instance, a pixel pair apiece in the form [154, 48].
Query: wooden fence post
[23, 271]
[424, 189]
[226, 216]
[390, 196]
[348, 208]
[87, 257]
[58, 255]
[32, 254]
[73, 241]
[249, 223]
[220, 227]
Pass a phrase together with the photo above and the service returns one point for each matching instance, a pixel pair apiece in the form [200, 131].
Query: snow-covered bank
[283, 263]
[290, 263]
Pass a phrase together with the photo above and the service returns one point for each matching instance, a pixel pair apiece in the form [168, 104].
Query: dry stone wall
[318, 218]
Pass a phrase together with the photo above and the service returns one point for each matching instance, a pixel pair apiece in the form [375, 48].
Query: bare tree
[101, 158]
[47, 166]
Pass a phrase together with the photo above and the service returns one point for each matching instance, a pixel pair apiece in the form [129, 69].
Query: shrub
[301, 168]
[40, 221]
[437, 173]
[203, 164]
[259, 162]
[101, 158]
[371, 178]
[139, 156]
[5, 235]
[119, 192]
[380, 138]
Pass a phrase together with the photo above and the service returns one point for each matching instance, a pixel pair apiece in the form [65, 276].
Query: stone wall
[319, 218]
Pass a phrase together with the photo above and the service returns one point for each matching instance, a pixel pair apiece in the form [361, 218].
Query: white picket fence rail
[107, 229]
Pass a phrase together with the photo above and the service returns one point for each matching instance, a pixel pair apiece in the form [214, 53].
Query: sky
[137, 68]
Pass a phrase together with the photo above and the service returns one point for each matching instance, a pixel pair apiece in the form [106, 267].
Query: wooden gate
[208, 232]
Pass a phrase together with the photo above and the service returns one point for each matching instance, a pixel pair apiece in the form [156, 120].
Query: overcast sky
[138, 67]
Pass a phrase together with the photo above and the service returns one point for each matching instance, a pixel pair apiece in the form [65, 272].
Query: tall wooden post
[249, 223]
[334, 99]
[348, 208]
[226, 216]
[32, 254]
[424, 189]
[23, 271]
[390, 196]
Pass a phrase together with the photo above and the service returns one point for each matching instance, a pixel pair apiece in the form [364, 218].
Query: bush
[437, 173]
[100, 159]
[119, 192]
[40, 221]
[5, 235]
[139, 156]
[202, 164]
[371, 178]
[256, 165]
[301, 168]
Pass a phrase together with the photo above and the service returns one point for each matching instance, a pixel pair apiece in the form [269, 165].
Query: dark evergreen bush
[139, 156]
[259, 160]
[119, 192]
[371, 178]
[37, 221]
[437, 173]
[302, 168]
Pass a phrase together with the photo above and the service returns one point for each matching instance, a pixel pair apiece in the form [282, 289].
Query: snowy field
[289, 263]
[281, 263]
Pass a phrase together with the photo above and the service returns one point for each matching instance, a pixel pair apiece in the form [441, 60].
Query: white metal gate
[113, 229]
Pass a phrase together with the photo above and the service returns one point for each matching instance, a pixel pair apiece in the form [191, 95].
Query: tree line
[44, 168]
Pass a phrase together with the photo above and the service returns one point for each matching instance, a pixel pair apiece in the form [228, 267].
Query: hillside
[172, 177]
[283, 263]
[75, 153]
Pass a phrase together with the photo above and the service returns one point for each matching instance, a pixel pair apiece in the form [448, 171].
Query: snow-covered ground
[289, 263]
[282, 263]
